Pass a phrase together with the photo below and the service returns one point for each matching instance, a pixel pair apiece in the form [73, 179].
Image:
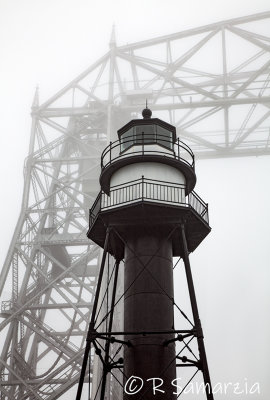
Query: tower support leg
[106, 368]
[197, 322]
[91, 329]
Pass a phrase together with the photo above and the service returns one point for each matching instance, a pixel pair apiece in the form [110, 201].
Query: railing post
[178, 146]
[110, 152]
[142, 187]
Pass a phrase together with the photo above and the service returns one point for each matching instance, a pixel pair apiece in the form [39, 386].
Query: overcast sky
[49, 42]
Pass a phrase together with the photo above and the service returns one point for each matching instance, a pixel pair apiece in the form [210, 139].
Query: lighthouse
[145, 214]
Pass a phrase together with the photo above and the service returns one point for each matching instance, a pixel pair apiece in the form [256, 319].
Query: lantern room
[147, 131]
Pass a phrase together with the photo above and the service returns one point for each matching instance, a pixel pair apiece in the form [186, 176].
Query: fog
[48, 43]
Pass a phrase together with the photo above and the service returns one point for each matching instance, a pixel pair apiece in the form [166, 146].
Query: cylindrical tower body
[149, 308]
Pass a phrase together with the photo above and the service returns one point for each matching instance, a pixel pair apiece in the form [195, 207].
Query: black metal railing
[149, 190]
[147, 145]
[201, 208]
[95, 209]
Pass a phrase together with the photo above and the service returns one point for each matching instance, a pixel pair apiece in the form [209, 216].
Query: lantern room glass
[147, 134]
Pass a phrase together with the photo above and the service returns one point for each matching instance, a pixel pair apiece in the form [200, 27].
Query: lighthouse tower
[146, 214]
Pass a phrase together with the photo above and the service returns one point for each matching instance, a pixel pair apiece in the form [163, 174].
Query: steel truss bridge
[211, 82]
